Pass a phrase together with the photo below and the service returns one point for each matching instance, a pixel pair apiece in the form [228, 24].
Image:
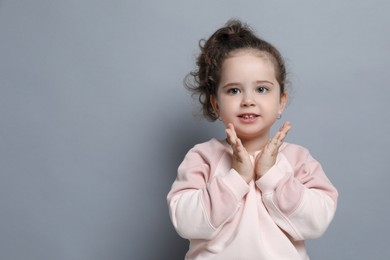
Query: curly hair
[203, 82]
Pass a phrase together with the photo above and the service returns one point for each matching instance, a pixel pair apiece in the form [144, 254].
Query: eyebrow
[264, 81]
[239, 84]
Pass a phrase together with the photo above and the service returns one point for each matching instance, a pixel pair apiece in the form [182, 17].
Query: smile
[248, 116]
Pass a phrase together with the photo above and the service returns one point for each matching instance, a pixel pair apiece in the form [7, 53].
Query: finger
[284, 129]
[231, 134]
[240, 151]
[230, 138]
[232, 130]
[237, 151]
[274, 144]
[239, 147]
[271, 149]
[277, 137]
[235, 142]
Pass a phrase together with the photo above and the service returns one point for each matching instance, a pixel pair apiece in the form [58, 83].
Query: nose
[247, 100]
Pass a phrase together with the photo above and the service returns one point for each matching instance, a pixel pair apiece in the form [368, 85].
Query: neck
[255, 144]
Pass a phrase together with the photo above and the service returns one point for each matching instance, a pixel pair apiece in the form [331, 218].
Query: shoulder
[206, 153]
[212, 147]
[295, 153]
[290, 147]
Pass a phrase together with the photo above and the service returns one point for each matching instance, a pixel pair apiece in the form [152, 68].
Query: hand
[241, 161]
[267, 157]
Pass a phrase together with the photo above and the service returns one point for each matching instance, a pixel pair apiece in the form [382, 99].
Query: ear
[283, 102]
[214, 104]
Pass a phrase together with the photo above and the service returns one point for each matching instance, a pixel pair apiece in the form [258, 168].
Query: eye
[262, 89]
[233, 91]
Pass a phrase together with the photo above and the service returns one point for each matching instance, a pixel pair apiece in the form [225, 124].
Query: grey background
[94, 119]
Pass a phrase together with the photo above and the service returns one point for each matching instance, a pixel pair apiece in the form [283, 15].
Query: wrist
[247, 179]
[261, 172]
[245, 175]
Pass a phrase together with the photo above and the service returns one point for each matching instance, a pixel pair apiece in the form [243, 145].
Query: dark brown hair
[235, 35]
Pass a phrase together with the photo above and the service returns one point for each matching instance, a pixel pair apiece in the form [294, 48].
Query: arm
[199, 203]
[298, 195]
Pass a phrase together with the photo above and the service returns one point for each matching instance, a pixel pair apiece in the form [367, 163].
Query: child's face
[248, 95]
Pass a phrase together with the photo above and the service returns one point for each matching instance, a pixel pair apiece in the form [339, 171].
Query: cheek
[272, 105]
[228, 103]
[226, 110]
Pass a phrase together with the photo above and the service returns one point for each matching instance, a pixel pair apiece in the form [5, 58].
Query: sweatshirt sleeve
[201, 203]
[298, 195]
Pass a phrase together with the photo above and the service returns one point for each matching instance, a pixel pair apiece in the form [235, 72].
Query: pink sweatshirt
[225, 218]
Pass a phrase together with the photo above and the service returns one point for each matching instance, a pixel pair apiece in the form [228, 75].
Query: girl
[249, 196]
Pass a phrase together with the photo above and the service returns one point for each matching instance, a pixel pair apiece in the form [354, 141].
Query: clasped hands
[264, 160]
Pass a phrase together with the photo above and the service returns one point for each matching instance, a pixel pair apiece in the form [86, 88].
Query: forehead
[247, 64]
[267, 57]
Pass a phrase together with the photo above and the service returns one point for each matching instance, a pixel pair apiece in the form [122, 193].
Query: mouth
[248, 116]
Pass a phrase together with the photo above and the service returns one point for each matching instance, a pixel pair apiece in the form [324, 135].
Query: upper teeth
[248, 116]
